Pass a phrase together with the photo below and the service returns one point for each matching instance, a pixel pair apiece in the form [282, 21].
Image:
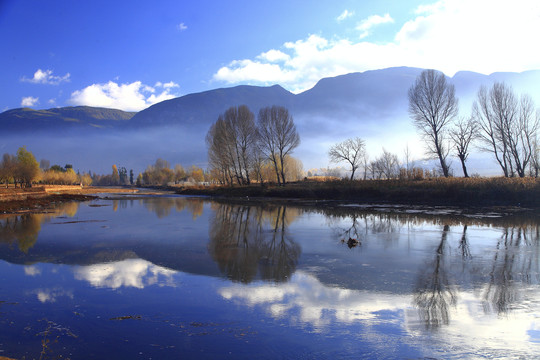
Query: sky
[131, 54]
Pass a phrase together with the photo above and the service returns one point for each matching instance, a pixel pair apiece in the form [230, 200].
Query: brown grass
[439, 191]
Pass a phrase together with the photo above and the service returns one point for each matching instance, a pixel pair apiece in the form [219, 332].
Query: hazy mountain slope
[201, 109]
[26, 119]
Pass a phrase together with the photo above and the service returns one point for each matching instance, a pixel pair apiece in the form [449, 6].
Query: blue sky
[131, 54]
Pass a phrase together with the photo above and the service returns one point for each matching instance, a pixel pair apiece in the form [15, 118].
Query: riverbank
[477, 192]
[41, 198]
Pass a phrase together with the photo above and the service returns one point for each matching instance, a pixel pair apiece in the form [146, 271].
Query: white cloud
[135, 273]
[306, 300]
[50, 295]
[366, 25]
[344, 15]
[29, 101]
[128, 97]
[32, 270]
[274, 56]
[449, 35]
[47, 77]
[182, 27]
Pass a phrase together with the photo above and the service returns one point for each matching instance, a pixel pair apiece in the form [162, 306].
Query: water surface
[174, 277]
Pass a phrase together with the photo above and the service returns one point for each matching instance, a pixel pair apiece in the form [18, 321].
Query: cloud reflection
[306, 301]
[51, 295]
[135, 273]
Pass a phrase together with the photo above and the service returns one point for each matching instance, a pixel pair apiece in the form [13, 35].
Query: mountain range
[372, 105]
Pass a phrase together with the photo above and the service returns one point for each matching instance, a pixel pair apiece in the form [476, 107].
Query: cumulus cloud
[29, 101]
[135, 273]
[344, 15]
[50, 295]
[128, 97]
[448, 35]
[32, 270]
[366, 25]
[182, 27]
[46, 77]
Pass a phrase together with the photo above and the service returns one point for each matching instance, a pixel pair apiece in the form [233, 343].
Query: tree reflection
[24, 229]
[434, 294]
[511, 266]
[247, 240]
[162, 206]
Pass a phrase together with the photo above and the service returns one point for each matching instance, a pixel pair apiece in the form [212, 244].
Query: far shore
[517, 194]
[473, 192]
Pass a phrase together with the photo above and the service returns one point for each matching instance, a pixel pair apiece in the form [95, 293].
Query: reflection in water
[434, 294]
[136, 273]
[515, 261]
[162, 206]
[24, 229]
[304, 299]
[246, 240]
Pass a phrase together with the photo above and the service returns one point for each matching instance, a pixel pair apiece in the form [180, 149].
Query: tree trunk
[462, 159]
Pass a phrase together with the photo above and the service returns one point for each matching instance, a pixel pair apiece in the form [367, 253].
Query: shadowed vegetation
[523, 192]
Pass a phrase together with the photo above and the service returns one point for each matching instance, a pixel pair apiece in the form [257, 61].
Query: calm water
[172, 277]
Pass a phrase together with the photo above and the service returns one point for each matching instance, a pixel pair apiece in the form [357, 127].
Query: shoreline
[467, 195]
[458, 192]
[39, 199]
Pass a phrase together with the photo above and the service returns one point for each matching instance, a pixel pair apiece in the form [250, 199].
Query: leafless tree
[463, 133]
[232, 144]
[351, 151]
[278, 137]
[386, 166]
[508, 127]
[432, 106]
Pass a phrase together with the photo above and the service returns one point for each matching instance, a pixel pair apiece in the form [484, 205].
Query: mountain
[201, 109]
[371, 105]
[25, 119]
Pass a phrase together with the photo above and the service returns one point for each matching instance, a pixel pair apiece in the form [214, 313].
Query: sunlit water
[173, 277]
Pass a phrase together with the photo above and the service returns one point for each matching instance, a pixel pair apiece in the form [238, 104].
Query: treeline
[159, 173]
[22, 169]
[501, 123]
[242, 149]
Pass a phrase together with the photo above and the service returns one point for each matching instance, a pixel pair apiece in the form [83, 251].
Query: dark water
[172, 277]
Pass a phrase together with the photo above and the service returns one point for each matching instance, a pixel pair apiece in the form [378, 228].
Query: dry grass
[438, 191]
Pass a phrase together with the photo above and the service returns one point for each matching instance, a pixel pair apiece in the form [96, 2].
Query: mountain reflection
[23, 229]
[248, 240]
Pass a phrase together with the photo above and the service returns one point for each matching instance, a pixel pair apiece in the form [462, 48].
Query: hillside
[25, 119]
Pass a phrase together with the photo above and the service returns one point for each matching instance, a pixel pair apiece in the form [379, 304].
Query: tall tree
[28, 167]
[508, 127]
[8, 168]
[432, 106]
[462, 135]
[232, 144]
[351, 151]
[278, 137]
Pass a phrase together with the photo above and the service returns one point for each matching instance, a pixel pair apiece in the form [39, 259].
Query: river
[168, 277]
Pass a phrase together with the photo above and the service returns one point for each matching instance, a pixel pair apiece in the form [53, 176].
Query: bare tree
[462, 135]
[351, 151]
[278, 137]
[232, 144]
[507, 127]
[386, 166]
[432, 106]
